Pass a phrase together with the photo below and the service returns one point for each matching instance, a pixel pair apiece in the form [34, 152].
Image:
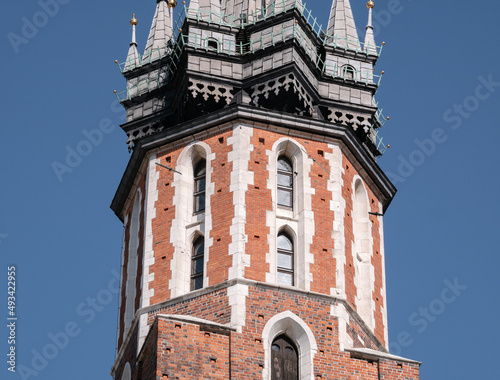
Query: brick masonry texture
[177, 349]
[187, 352]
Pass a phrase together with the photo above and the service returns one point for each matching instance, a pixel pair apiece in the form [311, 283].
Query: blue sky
[441, 89]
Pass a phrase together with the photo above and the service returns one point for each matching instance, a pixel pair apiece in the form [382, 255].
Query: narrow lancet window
[285, 260]
[285, 182]
[199, 186]
[197, 263]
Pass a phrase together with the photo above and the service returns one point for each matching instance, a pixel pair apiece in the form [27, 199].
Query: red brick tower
[252, 202]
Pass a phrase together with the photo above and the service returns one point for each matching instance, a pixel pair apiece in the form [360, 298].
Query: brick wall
[245, 348]
[178, 348]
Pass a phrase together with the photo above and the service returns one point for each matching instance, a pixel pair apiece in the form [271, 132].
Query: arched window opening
[285, 182]
[284, 359]
[212, 43]
[285, 260]
[348, 72]
[200, 173]
[197, 263]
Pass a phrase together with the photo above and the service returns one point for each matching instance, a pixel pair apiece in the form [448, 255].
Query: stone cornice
[259, 118]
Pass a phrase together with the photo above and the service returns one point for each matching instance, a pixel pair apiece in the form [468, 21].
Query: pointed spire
[161, 30]
[370, 47]
[341, 27]
[133, 55]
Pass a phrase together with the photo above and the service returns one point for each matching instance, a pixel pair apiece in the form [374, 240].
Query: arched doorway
[284, 359]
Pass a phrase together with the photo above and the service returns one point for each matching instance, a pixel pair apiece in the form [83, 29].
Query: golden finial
[370, 4]
[171, 3]
[134, 21]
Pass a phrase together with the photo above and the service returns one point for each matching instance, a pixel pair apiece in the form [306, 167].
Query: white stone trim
[133, 246]
[338, 206]
[300, 219]
[237, 295]
[241, 179]
[383, 291]
[367, 353]
[186, 225]
[193, 320]
[298, 331]
[152, 177]
[121, 300]
[340, 312]
[362, 251]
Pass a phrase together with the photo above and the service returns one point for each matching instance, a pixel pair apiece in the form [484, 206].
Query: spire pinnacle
[161, 30]
[133, 22]
[341, 27]
[370, 47]
[133, 55]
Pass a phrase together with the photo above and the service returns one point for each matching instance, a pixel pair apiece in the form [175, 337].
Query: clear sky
[441, 89]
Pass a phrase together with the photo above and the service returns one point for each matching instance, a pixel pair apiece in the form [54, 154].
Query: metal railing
[264, 39]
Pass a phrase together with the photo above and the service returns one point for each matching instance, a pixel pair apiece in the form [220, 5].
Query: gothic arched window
[285, 182]
[197, 263]
[285, 260]
[348, 72]
[284, 359]
[200, 173]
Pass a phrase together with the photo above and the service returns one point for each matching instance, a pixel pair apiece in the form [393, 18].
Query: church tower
[252, 203]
